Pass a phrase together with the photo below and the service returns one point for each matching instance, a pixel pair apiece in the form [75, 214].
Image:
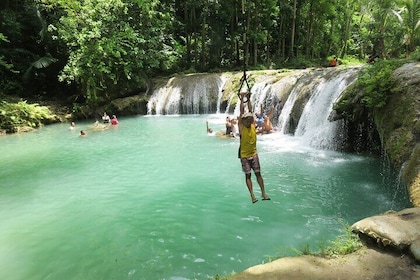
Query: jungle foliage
[370, 92]
[94, 50]
[15, 117]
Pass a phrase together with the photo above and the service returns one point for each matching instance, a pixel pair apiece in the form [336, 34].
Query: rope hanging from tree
[244, 79]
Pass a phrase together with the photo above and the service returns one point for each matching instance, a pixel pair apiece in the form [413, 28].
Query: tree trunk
[203, 58]
[233, 29]
[187, 36]
[349, 16]
[281, 48]
[248, 23]
[309, 32]
[255, 53]
[238, 52]
[292, 39]
[331, 37]
[267, 48]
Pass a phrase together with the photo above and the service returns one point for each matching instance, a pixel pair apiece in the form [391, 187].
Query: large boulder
[397, 229]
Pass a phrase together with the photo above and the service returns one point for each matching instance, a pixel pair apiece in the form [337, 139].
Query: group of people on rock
[262, 122]
[107, 119]
[97, 126]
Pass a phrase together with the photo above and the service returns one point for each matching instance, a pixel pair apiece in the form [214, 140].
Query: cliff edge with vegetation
[399, 126]
[385, 103]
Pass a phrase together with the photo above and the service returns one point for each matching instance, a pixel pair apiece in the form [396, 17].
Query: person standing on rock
[248, 148]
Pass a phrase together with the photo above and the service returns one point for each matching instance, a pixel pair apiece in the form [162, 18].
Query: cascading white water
[319, 89]
[189, 94]
[314, 128]
[308, 95]
[287, 109]
[157, 101]
[259, 91]
[224, 79]
[197, 98]
[270, 90]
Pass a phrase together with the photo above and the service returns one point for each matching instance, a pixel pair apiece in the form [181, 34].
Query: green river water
[158, 198]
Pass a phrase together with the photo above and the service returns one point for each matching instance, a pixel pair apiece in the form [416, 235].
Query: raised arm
[249, 104]
[242, 110]
[270, 115]
[241, 104]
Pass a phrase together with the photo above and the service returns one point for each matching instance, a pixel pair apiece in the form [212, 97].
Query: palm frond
[44, 62]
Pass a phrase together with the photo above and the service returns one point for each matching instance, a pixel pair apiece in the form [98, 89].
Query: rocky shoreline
[391, 251]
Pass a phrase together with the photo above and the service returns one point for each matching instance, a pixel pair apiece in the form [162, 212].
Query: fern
[14, 116]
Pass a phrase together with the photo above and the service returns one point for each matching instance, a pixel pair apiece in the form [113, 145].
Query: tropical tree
[110, 47]
[113, 45]
[409, 15]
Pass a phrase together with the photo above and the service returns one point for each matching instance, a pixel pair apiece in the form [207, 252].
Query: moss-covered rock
[398, 124]
[128, 106]
[411, 175]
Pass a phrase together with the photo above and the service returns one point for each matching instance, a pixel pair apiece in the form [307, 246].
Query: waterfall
[287, 109]
[190, 94]
[224, 79]
[314, 127]
[302, 99]
[270, 90]
[283, 119]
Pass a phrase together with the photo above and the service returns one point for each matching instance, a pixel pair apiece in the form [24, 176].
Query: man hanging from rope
[248, 147]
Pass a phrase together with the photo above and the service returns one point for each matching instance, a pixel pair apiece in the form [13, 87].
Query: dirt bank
[367, 263]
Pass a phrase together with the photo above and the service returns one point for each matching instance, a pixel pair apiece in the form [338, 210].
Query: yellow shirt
[248, 141]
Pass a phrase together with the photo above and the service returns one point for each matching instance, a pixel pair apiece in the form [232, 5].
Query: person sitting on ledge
[334, 62]
[267, 126]
[259, 119]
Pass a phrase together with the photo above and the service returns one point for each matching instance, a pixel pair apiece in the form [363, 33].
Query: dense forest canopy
[93, 50]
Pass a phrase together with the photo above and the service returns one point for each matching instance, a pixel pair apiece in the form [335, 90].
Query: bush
[15, 117]
[370, 91]
[416, 54]
[376, 82]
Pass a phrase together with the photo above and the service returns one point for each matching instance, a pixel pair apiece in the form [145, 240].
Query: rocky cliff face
[398, 124]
